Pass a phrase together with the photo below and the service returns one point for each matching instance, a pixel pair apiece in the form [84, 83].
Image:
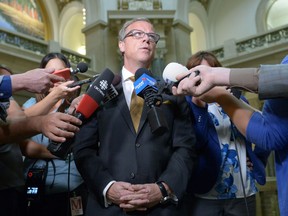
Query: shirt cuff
[245, 78]
[106, 201]
[5, 87]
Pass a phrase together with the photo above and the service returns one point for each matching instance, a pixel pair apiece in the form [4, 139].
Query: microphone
[95, 95]
[236, 92]
[67, 72]
[82, 67]
[89, 103]
[112, 92]
[171, 71]
[82, 82]
[145, 87]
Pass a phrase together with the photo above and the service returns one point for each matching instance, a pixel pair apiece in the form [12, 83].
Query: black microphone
[89, 103]
[66, 72]
[82, 82]
[82, 67]
[236, 92]
[112, 92]
[145, 87]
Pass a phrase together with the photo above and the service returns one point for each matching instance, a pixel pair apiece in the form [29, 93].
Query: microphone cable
[233, 127]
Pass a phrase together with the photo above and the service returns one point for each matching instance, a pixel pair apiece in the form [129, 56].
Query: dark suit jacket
[107, 148]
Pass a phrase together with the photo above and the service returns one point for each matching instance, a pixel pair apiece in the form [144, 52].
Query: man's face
[138, 51]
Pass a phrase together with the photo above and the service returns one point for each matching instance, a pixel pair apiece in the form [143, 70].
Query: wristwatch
[166, 198]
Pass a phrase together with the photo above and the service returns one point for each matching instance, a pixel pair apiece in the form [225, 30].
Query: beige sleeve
[245, 78]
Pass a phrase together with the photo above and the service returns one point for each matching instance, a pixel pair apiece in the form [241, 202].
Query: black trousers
[228, 207]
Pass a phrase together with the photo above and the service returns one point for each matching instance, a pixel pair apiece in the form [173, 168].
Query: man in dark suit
[132, 171]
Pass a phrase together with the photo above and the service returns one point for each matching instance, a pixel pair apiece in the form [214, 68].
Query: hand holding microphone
[67, 72]
[88, 104]
[174, 74]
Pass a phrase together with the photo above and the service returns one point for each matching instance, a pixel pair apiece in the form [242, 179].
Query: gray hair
[122, 31]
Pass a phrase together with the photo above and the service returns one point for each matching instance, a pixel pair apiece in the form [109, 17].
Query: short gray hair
[122, 31]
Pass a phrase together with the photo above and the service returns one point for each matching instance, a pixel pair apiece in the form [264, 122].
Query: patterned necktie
[136, 107]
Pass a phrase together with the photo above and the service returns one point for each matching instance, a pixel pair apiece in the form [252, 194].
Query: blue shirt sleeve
[268, 130]
[5, 87]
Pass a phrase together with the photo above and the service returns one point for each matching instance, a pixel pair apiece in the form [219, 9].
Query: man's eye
[137, 34]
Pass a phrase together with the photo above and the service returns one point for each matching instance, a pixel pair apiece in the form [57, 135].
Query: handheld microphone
[145, 87]
[112, 92]
[66, 72]
[171, 71]
[236, 92]
[82, 67]
[89, 103]
[82, 82]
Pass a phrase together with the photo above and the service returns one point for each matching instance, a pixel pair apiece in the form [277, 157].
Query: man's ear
[121, 46]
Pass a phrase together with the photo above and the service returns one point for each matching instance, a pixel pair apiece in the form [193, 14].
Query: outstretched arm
[37, 80]
[239, 112]
[56, 126]
[45, 105]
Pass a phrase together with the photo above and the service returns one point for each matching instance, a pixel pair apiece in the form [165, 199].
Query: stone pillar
[178, 43]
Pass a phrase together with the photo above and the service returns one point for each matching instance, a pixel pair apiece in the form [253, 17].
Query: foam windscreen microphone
[82, 67]
[170, 73]
[145, 87]
[89, 103]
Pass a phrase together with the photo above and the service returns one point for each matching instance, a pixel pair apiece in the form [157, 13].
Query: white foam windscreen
[172, 70]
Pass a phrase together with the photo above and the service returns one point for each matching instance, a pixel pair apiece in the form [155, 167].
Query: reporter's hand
[36, 81]
[59, 126]
[74, 104]
[61, 90]
[195, 84]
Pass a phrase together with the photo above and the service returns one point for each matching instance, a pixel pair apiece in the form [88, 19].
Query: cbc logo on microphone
[103, 84]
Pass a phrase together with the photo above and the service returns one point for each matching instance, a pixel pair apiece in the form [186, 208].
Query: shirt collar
[126, 74]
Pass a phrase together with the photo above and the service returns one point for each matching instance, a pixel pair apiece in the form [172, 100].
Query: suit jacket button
[132, 175]
[138, 145]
